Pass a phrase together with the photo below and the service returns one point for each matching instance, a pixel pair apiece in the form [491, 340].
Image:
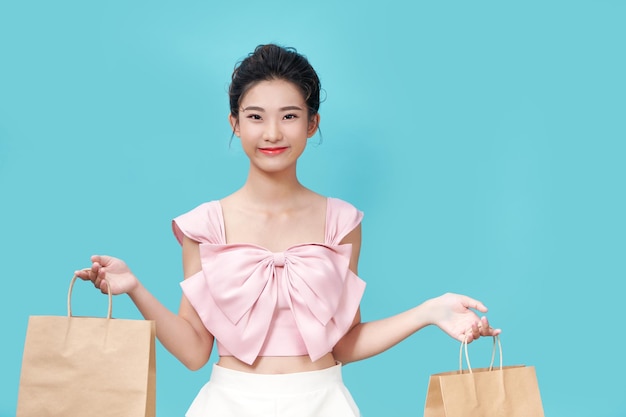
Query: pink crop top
[259, 303]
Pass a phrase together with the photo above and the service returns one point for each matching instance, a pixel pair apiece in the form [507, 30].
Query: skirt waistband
[286, 384]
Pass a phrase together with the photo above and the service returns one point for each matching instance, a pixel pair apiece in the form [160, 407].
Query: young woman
[271, 270]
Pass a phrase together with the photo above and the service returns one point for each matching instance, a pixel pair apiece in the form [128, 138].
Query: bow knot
[279, 259]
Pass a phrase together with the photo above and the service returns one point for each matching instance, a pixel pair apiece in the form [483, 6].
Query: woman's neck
[272, 189]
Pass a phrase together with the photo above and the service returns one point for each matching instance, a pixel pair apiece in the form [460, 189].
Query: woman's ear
[314, 123]
[234, 124]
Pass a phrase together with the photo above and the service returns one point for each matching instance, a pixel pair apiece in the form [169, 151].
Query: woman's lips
[273, 151]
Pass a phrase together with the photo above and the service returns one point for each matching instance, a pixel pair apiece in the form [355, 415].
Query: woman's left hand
[454, 314]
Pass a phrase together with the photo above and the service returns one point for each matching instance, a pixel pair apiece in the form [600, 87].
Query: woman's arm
[182, 334]
[451, 312]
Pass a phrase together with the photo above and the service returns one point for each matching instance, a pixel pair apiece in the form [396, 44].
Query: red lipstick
[273, 151]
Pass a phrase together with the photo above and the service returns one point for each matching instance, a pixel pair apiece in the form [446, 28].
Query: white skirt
[304, 394]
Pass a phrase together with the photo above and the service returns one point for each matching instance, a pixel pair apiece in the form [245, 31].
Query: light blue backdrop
[485, 142]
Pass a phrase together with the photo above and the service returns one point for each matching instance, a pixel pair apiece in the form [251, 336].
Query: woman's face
[274, 125]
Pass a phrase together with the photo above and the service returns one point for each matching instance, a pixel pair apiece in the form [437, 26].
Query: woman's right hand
[107, 270]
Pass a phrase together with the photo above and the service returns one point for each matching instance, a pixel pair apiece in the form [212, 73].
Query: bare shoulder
[232, 200]
[313, 200]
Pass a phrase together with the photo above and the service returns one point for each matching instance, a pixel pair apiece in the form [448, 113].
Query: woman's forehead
[277, 93]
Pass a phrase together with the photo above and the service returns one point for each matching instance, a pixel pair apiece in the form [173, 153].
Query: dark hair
[273, 62]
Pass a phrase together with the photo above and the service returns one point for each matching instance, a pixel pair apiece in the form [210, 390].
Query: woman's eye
[290, 116]
[254, 117]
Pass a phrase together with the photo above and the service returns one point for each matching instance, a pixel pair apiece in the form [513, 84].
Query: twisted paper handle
[493, 354]
[69, 299]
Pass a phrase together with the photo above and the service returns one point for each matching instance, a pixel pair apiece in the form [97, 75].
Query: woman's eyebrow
[253, 108]
[261, 109]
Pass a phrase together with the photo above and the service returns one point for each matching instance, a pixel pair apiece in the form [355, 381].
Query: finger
[104, 286]
[98, 277]
[476, 330]
[474, 304]
[103, 260]
[493, 332]
[471, 333]
[486, 329]
[96, 265]
[92, 273]
[83, 273]
[87, 274]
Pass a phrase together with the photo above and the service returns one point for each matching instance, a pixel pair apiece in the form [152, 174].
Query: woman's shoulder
[202, 223]
[339, 204]
[334, 203]
[201, 209]
[342, 218]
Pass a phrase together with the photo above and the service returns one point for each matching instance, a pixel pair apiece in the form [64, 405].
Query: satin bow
[241, 281]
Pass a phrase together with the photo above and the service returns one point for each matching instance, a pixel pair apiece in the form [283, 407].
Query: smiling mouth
[273, 151]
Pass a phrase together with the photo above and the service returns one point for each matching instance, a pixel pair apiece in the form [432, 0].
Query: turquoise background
[485, 142]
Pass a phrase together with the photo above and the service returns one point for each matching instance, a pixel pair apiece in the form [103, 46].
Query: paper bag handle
[69, 299]
[493, 354]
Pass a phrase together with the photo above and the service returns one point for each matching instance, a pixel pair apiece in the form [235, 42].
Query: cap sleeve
[203, 224]
[341, 218]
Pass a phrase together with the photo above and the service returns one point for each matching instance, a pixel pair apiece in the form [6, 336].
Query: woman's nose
[272, 132]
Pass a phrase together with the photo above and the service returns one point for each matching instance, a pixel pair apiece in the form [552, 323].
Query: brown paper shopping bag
[87, 367]
[507, 391]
